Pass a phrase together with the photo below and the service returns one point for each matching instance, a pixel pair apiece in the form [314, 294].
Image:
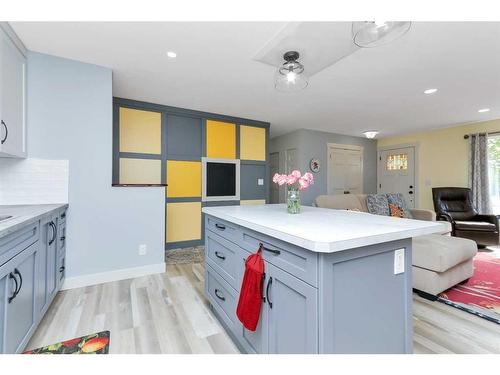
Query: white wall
[70, 118]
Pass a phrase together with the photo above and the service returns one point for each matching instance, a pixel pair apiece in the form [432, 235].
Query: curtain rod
[466, 136]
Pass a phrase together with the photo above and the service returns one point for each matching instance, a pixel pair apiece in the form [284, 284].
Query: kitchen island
[335, 281]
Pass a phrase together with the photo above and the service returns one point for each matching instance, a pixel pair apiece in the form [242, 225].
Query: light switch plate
[399, 261]
[260, 181]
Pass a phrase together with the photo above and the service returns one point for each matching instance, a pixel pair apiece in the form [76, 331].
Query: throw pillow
[377, 204]
[398, 200]
[396, 211]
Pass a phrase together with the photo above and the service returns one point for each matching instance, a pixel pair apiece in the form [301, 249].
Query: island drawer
[223, 298]
[16, 242]
[225, 257]
[224, 229]
[299, 262]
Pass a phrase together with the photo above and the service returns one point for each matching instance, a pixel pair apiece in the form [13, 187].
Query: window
[397, 162]
[494, 171]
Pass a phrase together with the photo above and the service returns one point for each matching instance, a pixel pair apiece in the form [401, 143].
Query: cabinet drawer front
[224, 299]
[224, 229]
[293, 259]
[224, 257]
[12, 244]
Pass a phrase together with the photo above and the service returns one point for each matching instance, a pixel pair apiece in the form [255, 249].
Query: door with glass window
[396, 173]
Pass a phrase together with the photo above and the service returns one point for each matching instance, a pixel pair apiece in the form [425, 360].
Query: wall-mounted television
[220, 179]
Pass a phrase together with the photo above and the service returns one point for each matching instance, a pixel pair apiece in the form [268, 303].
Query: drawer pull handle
[61, 269]
[269, 283]
[274, 251]
[217, 254]
[220, 226]
[62, 238]
[16, 272]
[222, 298]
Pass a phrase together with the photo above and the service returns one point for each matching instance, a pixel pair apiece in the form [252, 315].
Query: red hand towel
[250, 302]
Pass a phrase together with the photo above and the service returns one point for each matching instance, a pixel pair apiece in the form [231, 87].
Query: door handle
[54, 233]
[11, 298]
[269, 283]
[6, 133]
[16, 272]
[220, 226]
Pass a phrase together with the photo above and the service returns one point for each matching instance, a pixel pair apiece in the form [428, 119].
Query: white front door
[396, 173]
[345, 169]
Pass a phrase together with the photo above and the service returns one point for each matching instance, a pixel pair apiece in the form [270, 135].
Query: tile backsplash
[33, 181]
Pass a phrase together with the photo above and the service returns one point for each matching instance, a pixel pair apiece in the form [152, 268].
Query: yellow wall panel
[183, 221]
[183, 178]
[140, 131]
[249, 202]
[221, 140]
[252, 143]
[140, 171]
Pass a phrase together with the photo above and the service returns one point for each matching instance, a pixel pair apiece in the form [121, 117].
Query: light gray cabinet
[18, 299]
[30, 277]
[12, 97]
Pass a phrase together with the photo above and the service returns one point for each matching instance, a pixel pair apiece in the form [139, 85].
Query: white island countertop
[324, 230]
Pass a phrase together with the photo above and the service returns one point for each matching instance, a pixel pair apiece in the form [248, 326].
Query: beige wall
[442, 156]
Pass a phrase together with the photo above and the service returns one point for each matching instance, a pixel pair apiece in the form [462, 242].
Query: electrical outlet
[143, 249]
[399, 261]
[260, 181]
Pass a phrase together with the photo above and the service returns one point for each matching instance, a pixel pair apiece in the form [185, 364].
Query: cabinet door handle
[217, 254]
[16, 272]
[274, 251]
[61, 269]
[222, 298]
[269, 283]
[11, 298]
[220, 226]
[6, 132]
[54, 233]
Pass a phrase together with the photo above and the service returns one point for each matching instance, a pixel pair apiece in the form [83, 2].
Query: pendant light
[368, 34]
[290, 76]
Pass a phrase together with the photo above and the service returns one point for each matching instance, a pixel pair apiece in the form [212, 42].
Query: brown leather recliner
[454, 204]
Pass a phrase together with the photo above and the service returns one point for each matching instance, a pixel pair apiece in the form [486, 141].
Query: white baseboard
[105, 277]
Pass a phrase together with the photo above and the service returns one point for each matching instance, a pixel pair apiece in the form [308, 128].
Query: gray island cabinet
[335, 281]
[32, 258]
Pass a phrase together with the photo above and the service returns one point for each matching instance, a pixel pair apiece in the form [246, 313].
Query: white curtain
[478, 172]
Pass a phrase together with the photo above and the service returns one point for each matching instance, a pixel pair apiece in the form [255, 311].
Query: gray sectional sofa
[439, 260]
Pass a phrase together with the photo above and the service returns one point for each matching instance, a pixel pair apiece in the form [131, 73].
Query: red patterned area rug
[480, 295]
[97, 343]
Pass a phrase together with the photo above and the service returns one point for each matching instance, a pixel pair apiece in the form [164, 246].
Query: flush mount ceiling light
[482, 110]
[370, 134]
[430, 91]
[368, 34]
[171, 54]
[290, 76]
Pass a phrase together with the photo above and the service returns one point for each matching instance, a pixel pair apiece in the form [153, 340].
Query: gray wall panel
[249, 174]
[183, 137]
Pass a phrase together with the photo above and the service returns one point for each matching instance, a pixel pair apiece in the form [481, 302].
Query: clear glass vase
[293, 201]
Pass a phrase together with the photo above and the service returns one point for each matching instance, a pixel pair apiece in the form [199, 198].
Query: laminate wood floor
[168, 313]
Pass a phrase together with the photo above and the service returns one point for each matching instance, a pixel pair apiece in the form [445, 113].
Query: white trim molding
[106, 277]
[204, 197]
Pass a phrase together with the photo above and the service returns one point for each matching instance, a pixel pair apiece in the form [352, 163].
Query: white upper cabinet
[12, 97]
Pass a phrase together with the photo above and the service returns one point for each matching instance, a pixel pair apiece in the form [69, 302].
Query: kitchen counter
[335, 281]
[23, 215]
[324, 230]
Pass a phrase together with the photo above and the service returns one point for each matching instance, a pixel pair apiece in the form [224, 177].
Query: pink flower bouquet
[294, 180]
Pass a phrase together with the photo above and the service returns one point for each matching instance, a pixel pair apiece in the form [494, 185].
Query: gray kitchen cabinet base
[355, 303]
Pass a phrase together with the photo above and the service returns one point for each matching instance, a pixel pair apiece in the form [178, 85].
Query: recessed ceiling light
[482, 110]
[430, 91]
[370, 134]
[171, 54]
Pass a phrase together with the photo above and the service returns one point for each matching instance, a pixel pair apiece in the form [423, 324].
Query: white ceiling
[215, 71]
